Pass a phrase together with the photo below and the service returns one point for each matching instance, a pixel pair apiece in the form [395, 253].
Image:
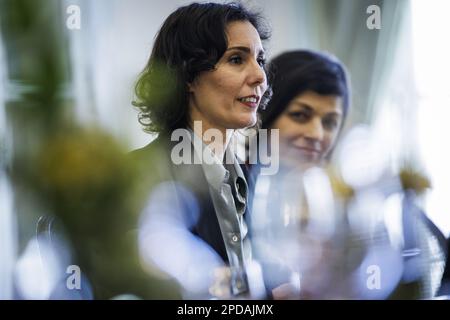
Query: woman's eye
[235, 60]
[299, 116]
[330, 124]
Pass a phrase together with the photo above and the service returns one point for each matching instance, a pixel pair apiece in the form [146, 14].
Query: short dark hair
[191, 41]
[295, 72]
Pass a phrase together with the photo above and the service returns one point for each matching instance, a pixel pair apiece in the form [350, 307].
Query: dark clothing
[156, 167]
[445, 284]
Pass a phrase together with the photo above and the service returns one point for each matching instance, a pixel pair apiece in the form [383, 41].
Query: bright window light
[432, 72]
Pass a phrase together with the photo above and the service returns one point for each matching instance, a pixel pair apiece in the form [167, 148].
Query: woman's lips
[252, 105]
[251, 101]
[309, 151]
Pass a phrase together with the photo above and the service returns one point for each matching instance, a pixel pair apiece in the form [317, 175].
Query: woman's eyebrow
[240, 48]
[335, 113]
[309, 108]
[245, 49]
[303, 105]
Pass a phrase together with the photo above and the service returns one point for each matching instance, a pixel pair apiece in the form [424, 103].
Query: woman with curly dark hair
[204, 80]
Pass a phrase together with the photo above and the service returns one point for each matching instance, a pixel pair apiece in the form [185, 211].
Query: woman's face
[228, 96]
[309, 127]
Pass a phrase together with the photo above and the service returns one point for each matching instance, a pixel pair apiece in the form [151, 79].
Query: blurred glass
[349, 232]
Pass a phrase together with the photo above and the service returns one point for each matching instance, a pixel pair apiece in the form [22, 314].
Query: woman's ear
[190, 87]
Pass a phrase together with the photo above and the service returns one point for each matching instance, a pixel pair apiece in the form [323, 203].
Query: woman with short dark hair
[310, 103]
[307, 86]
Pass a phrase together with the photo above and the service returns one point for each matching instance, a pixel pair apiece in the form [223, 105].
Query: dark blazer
[445, 283]
[156, 167]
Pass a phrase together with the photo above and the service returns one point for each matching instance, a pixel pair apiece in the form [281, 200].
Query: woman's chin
[245, 123]
[252, 121]
[300, 160]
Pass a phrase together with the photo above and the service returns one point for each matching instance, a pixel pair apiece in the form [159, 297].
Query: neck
[216, 138]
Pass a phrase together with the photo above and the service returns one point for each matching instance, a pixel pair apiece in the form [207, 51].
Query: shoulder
[156, 151]
[153, 159]
[154, 146]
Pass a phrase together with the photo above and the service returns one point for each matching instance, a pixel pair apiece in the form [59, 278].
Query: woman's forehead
[243, 34]
[318, 102]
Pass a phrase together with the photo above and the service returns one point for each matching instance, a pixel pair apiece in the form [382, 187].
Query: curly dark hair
[191, 41]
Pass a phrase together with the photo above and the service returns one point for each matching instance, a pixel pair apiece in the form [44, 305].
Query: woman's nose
[314, 130]
[257, 75]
